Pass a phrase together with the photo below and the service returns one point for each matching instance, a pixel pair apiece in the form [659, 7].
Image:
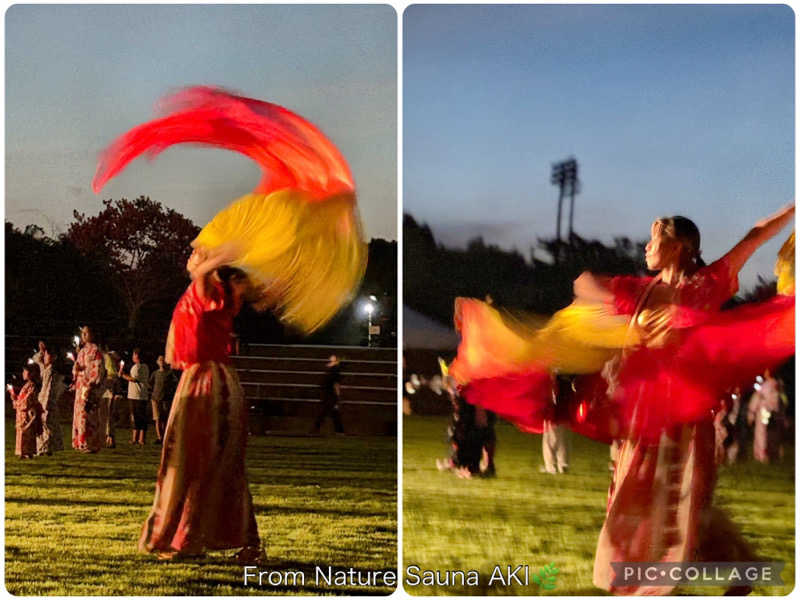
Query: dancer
[28, 409]
[663, 370]
[88, 374]
[293, 245]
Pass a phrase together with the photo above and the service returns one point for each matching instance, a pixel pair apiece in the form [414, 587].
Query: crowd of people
[98, 380]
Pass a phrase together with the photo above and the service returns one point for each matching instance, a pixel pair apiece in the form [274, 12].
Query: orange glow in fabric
[298, 235]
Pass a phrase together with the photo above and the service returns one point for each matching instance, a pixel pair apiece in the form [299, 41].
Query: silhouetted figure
[330, 392]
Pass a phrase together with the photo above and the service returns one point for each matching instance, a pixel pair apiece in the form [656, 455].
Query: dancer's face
[662, 251]
[86, 335]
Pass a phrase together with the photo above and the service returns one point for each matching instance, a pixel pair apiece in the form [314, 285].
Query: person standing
[158, 385]
[202, 498]
[137, 397]
[88, 374]
[294, 245]
[330, 393]
[50, 439]
[111, 396]
[28, 409]
[675, 353]
[555, 440]
[764, 414]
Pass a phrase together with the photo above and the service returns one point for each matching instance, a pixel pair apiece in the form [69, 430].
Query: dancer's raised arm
[761, 232]
[203, 262]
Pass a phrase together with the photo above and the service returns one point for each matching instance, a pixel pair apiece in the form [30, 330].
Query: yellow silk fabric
[580, 338]
[784, 267]
[306, 257]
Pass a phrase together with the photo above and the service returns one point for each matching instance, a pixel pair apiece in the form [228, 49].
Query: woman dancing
[294, 245]
[677, 353]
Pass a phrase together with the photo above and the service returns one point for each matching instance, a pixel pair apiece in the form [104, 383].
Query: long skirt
[50, 440]
[659, 508]
[87, 434]
[202, 499]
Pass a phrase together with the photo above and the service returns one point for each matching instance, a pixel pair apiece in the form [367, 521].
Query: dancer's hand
[592, 288]
[761, 232]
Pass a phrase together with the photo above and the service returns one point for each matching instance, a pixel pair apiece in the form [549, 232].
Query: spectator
[137, 397]
[330, 393]
[26, 404]
[88, 373]
[50, 438]
[158, 387]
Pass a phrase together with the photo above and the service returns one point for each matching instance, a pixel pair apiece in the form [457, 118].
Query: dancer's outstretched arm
[593, 288]
[761, 232]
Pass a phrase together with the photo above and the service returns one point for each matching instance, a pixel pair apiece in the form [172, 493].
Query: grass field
[524, 517]
[73, 520]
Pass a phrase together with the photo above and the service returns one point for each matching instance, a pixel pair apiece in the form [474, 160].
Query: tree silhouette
[144, 247]
[433, 276]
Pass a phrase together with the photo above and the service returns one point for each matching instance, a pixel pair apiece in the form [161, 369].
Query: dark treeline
[434, 275]
[123, 270]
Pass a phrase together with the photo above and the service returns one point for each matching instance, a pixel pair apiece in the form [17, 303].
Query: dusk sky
[668, 109]
[78, 76]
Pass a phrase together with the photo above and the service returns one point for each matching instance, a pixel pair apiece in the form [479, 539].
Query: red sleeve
[705, 293]
[215, 300]
[626, 290]
[720, 280]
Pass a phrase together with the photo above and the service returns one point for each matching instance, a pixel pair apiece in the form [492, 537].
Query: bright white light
[369, 308]
[76, 340]
[30, 361]
[373, 298]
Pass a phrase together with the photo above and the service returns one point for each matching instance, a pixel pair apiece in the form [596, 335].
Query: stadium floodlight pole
[564, 174]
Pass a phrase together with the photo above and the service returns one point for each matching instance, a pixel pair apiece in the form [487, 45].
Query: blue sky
[668, 110]
[77, 76]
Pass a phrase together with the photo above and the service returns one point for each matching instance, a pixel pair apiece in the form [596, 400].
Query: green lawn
[524, 517]
[73, 520]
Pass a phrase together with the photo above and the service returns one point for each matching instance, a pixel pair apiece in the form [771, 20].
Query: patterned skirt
[87, 434]
[660, 508]
[202, 499]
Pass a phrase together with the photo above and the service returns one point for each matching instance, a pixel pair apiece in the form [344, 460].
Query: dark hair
[227, 273]
[33, 370]
[686, 232]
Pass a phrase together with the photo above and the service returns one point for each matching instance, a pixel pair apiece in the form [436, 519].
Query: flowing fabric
[298, 235]
[694, 353]
[784, 268]
[657, 393]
